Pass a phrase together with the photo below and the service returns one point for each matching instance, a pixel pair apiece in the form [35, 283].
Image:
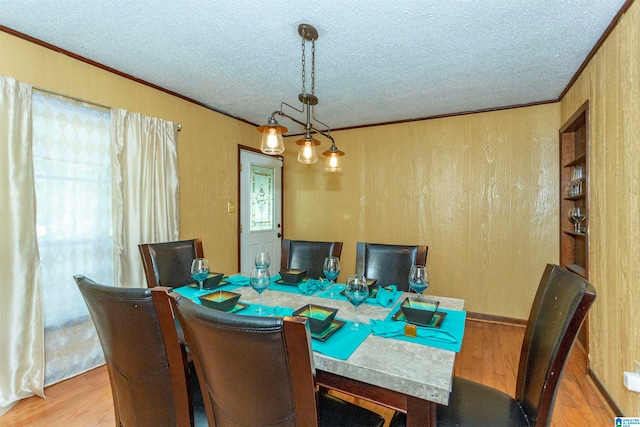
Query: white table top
[413, 369]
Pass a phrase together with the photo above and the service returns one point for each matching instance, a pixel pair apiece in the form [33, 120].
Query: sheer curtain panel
[72, 169]
[145, 189]
[21, 318]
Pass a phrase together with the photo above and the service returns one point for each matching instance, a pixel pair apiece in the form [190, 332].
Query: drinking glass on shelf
[578, 215]
[260, 280]
[418, 279]
[200, 270]
[331, 270]
[572, 219]
[262, 260]
[577, 177]
[356, 292]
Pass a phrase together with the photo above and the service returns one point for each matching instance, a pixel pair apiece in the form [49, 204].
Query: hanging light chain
[304, 88]
[313, 67]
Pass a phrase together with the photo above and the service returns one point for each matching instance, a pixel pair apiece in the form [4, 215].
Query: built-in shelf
[576, 269]
[574, 152]
[582, 158]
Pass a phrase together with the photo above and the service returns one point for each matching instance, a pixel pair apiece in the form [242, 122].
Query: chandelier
[272, 132]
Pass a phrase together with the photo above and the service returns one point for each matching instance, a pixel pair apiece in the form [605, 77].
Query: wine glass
[260, 280]
[571, 218]
[578, 215]
[263, 260]
[577, 177]
[356, 292]
[200, 270]
[418, 279]
[331, 270]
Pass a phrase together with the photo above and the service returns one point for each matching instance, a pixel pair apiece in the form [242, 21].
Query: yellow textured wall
[480, 190]
[207, 144]
[611, 82]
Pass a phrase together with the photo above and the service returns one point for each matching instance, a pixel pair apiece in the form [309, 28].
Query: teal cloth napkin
[388, 297]
[238, 280]
[312, 286]
[447, 337]
[306, 287]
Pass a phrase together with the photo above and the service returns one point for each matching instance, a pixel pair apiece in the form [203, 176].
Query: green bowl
[220, 300]
[419, 311]
[292, 276]
[319, 317]
[212, 280]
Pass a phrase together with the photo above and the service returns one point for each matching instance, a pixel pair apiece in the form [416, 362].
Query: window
[72, 169]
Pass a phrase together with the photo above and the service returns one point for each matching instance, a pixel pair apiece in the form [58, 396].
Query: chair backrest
[559, 308]
[389, 264]
[262, 375]
[169, 263]
[147, 365]
[307, 255]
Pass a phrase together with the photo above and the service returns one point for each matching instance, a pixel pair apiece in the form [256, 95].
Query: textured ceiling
[376, 61]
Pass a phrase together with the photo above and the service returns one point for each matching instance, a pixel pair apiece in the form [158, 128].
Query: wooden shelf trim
[578, 269]
[580, 159]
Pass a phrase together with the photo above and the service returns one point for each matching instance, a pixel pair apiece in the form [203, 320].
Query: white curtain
[144, 170]
[21, 318]
[72, 170]
[145, 189]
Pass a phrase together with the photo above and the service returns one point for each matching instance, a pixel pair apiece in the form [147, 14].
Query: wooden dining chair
[263, 375]
[559, 308]
[307, 255]
[389, 264]
[151, 384]
[169, 263]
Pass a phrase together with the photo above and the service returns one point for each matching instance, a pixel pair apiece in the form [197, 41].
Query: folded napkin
[386, 296]
[238, 280]
[312, 286]
[396, 329]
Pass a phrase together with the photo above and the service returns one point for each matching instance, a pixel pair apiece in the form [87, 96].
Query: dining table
[391, 368]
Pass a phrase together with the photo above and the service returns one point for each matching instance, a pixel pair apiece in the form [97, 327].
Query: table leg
[420, 412]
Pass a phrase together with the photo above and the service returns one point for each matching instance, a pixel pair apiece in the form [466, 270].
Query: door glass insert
[262, 198]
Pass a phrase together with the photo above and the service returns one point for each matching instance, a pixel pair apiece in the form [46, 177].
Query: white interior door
[260, 209]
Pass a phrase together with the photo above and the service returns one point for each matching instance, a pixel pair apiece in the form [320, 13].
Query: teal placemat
[344, 342]
[306, 287]
[340, 345]
[384, 297]
[447, 337]
[193, 293]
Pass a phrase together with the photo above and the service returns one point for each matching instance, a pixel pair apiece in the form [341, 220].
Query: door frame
[239, 204]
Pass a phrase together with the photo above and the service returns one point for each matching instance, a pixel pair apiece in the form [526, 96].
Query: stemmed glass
[418, 279]
[577, 216]
[577, 176]
[331, 270]
[260, 280]
[356, 292]
[200, 271]
[263, 260]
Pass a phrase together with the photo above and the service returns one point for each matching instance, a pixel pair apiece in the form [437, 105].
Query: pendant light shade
[307, 154]
[272, 142]
[333, 162]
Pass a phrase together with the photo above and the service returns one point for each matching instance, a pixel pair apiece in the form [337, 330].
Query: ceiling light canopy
[272, 142]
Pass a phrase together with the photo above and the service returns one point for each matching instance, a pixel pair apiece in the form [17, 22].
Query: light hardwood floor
[489, 355]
